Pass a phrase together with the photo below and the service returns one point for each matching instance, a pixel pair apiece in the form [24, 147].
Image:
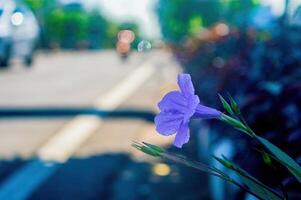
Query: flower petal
[182, 136]
[193, 102]
[173, 101]
[168, 123]
[205, 112]
[185, 84]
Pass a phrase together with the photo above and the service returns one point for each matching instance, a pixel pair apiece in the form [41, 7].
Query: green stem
[242, 125]
[237, 124]
[209, 170]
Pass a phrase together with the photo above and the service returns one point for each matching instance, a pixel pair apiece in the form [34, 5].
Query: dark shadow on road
[59, 112]
[111, 177]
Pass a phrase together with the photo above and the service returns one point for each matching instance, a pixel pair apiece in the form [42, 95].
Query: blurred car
[19, 33]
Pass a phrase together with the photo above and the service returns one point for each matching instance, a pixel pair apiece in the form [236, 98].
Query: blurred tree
[35, 5]
[111, 33]
[54, 25]
[71, 26]
[96, 29]
[75, 21]
[181, 18]
[237, 13]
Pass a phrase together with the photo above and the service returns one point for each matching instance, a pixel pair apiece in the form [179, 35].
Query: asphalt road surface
[86, 157]
[72, 80]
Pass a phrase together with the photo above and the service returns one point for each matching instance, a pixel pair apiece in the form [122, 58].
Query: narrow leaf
[251, 182]
[157, 151]
[150, 150]
[235, 123]
[156, 148]
[282, 157]
[226, 106]
[234, 105]
[266, 158]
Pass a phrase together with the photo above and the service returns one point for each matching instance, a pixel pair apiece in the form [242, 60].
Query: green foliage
[96, 31]
[41, 7]
[279, 155]
[71, 26]
[111, 33]
[234, 106]
[75, 27]
[251, 184]
[226, 106]
[183, 18]
[54, 24]
[149, 149]
[254, 185]
[195, 23]
[236, 124]
[66, 26]
[266, 158]
[282, 157]
[35, 4]
[237, 12]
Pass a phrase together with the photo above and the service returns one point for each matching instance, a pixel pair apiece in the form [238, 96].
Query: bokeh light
[144, 46]
[222, 29]
[161, 169]
[17, 18]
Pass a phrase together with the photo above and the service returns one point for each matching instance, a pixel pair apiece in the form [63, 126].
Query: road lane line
[123, 90]
[63, 144]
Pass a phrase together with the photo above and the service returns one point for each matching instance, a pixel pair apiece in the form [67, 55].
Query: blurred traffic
[124, 40]
[19, 32]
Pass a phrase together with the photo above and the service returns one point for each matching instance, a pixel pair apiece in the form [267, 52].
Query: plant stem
[209, 170]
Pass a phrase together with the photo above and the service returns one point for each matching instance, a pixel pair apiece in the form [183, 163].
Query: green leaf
[259, 190]
[236, 124]
[282, 157]
[148, 149]
[154, 147]
[253, 184]
[234, 105]
[252, 188]
[226, 106]
[224, 162]
[266, 158]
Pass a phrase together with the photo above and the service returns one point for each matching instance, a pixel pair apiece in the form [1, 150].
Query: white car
[19, 32]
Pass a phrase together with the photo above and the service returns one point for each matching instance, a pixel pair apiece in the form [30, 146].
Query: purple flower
[178, 107]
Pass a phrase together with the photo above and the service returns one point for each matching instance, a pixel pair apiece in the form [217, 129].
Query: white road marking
[64, 143]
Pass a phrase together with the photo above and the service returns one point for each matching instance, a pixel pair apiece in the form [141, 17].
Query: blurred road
[101, 154]
[71, 80]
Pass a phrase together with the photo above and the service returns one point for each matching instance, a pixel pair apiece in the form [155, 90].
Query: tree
[183, 18]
